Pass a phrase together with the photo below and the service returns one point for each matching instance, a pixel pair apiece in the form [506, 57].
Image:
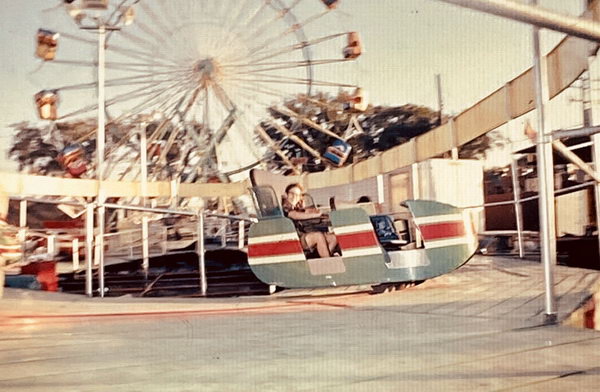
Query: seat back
[266, 202]
[384, 228]
[276, 181]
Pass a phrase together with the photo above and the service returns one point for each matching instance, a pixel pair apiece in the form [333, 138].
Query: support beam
[571, 156]
[301, 143]
[274, 147]
[540, 17]
[585, 131]
[290, 113]
[514, 170]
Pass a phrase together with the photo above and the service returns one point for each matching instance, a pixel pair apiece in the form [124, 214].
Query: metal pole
[144, 162]
[380, 190]
[100, 249]
[75, 253]
[540, 17]
[416, 194]
[100, 142]
[23, 227]
[454, 151]
[585, 131]
[224, 225]
[438, 86]
[89, 248]
[100, 154]
[593, 112]
[241, 233]
[200, 252]
[51, 245]
[145, 253]
[545, 179]
[518, 208]
[23, 215]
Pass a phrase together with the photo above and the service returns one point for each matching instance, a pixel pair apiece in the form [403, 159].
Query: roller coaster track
[565, 64]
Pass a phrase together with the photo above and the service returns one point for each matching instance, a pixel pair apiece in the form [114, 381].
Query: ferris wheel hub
[207, 69]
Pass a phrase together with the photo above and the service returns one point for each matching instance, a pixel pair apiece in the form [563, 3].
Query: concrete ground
[478, 328]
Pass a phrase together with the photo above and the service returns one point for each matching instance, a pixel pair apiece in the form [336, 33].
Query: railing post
[224, 225]
[89, 248]
[145, 253]
[200, 252]
[241, 233]
[416, 194]
[23, 226]
[100, 248]
[517, 203]
[51, 244]
[75, 253]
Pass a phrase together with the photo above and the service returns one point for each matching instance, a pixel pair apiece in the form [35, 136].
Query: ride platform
[479, 327]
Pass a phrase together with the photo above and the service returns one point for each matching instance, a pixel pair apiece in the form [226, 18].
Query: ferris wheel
[196, 78]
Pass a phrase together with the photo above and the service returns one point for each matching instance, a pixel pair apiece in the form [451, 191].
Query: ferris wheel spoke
[166, 94]
[280, 14]
[155, 18]
[262, 90]
[287, 49]
[292, 29]
[124, 81]
[274, 66]
[167, 14]
[160, 39]
[120, 98]
[252, 17]
[138, 40]
[142, 55]
[122, 66]
[117, 12]
[234, 20]
[245, 24]
[278, 79]
[78, 39]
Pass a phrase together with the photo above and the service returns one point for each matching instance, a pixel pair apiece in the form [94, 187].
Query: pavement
[480, 327]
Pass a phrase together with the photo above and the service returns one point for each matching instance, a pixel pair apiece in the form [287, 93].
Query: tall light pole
[545, 171]
[95, 21]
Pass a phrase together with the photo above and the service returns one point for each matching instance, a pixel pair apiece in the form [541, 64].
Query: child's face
[295, 196]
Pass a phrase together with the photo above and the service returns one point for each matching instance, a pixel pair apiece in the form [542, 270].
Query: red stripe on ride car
[357, 240]
[275, 248]
[437, 231]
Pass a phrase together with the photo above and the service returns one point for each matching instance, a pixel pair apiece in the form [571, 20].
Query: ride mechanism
[190, 80]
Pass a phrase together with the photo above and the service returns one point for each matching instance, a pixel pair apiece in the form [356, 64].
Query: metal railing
[230, 228]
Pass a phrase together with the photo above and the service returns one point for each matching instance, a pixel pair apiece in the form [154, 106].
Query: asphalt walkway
[478, 328]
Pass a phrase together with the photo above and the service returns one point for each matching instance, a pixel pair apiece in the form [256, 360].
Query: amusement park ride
[204, 73]
[371, 248]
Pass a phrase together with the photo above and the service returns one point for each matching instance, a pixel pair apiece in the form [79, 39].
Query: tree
[379, 128]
